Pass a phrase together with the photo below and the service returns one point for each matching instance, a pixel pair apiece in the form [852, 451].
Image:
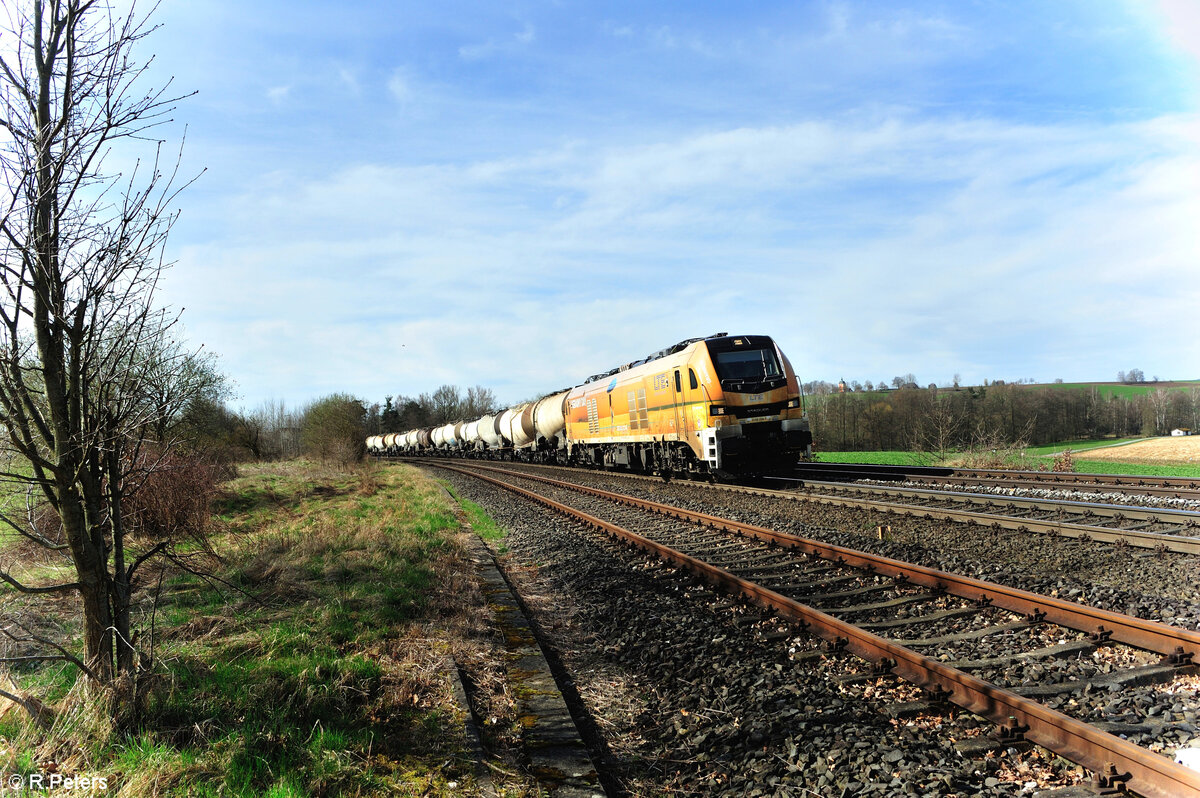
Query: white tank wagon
[471, 434]
[550, 418]
[521, 431]
[504, 426]
[488, 432]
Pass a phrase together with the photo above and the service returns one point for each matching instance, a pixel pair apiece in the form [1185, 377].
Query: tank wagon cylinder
[448, 436]
[549, 415]
[425, 437]
[470, 434]
[522, 425]
[487, 431]
[504, 425]
[410, 438]
[373, 443]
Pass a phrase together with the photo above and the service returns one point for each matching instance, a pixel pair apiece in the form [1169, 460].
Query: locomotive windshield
[747, 364]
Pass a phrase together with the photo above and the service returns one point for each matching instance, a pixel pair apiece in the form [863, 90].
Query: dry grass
[1183, 450]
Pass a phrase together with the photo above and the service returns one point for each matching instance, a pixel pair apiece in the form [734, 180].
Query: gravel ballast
[694, 693]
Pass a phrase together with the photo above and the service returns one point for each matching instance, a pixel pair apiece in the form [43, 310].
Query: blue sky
[519, 195]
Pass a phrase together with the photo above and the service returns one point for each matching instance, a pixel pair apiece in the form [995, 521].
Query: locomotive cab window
[678, 383]
[747, 364]
[692, 380]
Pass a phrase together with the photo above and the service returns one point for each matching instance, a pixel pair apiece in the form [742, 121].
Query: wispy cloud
[499, 46]
[943, 233]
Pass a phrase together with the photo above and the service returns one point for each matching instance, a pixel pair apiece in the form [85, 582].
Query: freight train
[718, 407]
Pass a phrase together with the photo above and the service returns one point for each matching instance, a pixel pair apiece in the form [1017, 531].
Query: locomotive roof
[670, 350]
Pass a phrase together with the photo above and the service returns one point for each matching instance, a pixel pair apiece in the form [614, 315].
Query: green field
[1035, 454]
[1123, 390]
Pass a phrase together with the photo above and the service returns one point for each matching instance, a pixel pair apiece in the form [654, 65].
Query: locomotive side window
[639, 416]
[692, 380]
[678, 383]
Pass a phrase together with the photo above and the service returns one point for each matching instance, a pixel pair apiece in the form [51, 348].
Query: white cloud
[898, 245]
[1183, 24]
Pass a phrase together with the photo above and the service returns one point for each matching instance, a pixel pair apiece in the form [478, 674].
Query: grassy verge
[875, 458]
[316, 665]
[480, 521]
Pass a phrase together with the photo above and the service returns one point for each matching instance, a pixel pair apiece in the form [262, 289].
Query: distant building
[1181, 431]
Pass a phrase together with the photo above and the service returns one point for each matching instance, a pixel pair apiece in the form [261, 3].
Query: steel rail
[1149, 635]
[1136, 481]
[1130, 511]
[1116, 762]
[1137, 538]
[1172, 487]
[1158, 541]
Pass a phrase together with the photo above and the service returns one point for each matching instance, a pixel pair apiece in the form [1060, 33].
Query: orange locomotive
[721, 406]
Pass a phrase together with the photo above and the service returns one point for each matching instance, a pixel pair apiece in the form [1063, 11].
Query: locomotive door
[682, 419]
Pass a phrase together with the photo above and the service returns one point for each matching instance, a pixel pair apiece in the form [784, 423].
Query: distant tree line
[331, 429]
[939, 419]
[448, 403]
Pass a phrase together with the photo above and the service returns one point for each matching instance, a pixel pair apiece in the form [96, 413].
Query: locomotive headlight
[717, 410]
[794, 403]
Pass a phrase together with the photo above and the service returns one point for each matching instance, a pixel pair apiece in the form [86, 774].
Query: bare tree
[1159, 400]
[82, 255]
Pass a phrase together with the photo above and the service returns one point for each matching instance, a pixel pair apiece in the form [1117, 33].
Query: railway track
[1148, 528]
[982, 646]
[1157, 529]
[1164, 487]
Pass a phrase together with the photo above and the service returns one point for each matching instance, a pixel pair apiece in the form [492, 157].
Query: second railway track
[1153, 528]
[917, 608]
[1161, 487]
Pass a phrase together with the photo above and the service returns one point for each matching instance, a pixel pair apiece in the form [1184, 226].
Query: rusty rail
[1118, 763]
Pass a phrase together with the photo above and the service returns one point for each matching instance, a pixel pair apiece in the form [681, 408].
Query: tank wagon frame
[718, 407]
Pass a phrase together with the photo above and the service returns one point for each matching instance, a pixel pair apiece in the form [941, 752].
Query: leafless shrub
[1064, 462]
[173, 501]
[991, 449]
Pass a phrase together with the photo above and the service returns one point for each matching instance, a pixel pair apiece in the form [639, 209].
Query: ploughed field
[687, 690]
[1180, 449]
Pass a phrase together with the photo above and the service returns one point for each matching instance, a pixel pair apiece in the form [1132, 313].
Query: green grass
[874, 458]
[313, 668]
[1136, 469]
[1124, 391]
[480, 521]
[1078, 446]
